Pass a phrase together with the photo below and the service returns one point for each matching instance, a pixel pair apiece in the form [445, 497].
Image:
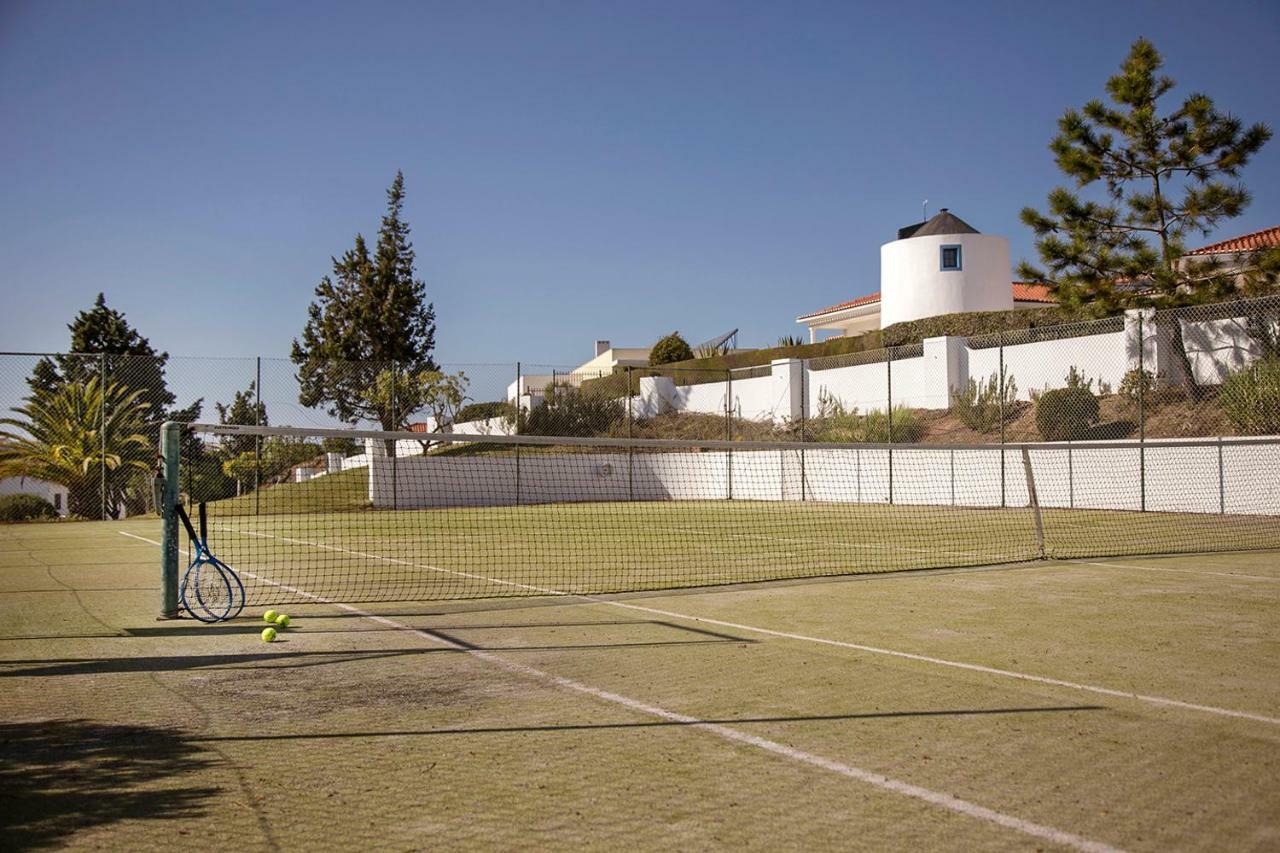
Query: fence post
[804, 424]
[1071, 479]
[395, 425]
[101, 432]
[631, 471]
[1222, 486]
[519, 419]
[1142, 417]
[888, 365]
[1000, 349]
[953, 477]
[728, 428]
[257, 439]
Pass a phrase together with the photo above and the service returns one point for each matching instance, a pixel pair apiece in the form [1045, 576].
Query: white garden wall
[1230, 479]
[1044, 364]
[1216, 349]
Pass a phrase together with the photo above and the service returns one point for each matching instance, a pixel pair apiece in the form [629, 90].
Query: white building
[531, 387]
[941, 266]
[52, 492]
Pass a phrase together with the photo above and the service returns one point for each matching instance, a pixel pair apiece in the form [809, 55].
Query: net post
[102, 432]
[167, 477]
[1033, 498]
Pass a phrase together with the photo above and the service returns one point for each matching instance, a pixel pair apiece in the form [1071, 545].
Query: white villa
[941, 266]
[51, 492]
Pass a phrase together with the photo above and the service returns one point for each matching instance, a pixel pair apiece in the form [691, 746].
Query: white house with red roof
[940, 266]
[945, 266]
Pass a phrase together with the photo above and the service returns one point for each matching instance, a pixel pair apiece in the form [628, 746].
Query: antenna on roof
[924, 210]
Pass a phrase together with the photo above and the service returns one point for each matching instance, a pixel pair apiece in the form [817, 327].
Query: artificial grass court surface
[498, 723]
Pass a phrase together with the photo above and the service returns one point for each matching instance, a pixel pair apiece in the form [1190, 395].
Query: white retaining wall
[1037, 366]
[1232, 479]
[1216, 348]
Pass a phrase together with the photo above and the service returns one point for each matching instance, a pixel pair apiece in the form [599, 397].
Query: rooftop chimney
[602, 347]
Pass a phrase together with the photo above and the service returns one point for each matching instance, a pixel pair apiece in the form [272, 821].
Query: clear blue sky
[575, 170]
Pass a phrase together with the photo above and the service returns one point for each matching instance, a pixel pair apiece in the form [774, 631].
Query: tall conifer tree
[372, 311]
[1164, 177]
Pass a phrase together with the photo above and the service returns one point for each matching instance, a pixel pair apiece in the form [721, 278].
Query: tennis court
[1125, 703]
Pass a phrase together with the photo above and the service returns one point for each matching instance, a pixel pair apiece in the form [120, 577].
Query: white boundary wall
[1230, 479]
[1216, 348]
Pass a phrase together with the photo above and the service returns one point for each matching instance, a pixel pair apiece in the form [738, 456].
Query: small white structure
[940, 266]
[943, 266]
[530, 390]
[52, 492]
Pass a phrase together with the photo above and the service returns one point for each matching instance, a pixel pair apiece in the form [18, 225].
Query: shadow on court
[302, 660]
[62, 776]
[652, 724]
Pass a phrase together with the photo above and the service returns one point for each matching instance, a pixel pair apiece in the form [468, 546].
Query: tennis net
[349, 515]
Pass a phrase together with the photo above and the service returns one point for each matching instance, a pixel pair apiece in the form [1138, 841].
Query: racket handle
[204, 524]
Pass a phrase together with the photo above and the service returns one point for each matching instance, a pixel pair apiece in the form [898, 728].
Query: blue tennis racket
[211, 591]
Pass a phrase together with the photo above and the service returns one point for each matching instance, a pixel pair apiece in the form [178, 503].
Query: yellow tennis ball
[269, 616]
[282, 620]
[268, 635]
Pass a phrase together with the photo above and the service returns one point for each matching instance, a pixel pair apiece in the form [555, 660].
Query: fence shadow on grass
[59, 777]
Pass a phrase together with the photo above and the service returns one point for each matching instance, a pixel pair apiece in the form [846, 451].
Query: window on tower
[950, 258]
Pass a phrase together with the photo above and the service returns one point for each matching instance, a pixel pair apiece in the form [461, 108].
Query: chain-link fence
[80, 431]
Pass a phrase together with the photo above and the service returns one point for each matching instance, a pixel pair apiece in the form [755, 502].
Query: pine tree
[1164, 177]
[370, 316]
[241, 410]
[104, 343]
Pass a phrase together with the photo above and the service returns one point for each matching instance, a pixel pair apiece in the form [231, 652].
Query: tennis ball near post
[269, 616]
[282, 620]
[268, 635]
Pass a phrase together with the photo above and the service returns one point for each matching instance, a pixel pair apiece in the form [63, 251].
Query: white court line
[1179, 571]
[1160, 701]
[936, 798]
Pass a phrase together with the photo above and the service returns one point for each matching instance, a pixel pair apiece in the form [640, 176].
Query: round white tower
[943, 266]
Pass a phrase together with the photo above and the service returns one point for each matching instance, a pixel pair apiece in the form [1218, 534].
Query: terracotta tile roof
[1022, 292]
[1267, 238]
[862, 300]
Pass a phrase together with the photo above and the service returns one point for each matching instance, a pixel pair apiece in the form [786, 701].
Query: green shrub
[1136, 388]
[483, 411]
[839, 426]
[670, 349]
[1066, 414]
[908, 428]
[982, 322]
[24, 507]
[982, 406]
[574, 412]
[1250, 398]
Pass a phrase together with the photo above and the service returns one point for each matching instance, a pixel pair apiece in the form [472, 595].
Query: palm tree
[82, 435]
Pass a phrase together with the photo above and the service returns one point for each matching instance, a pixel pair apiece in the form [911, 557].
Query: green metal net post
[167, 477]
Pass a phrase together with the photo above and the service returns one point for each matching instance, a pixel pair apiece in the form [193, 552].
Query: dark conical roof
[944, 223]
